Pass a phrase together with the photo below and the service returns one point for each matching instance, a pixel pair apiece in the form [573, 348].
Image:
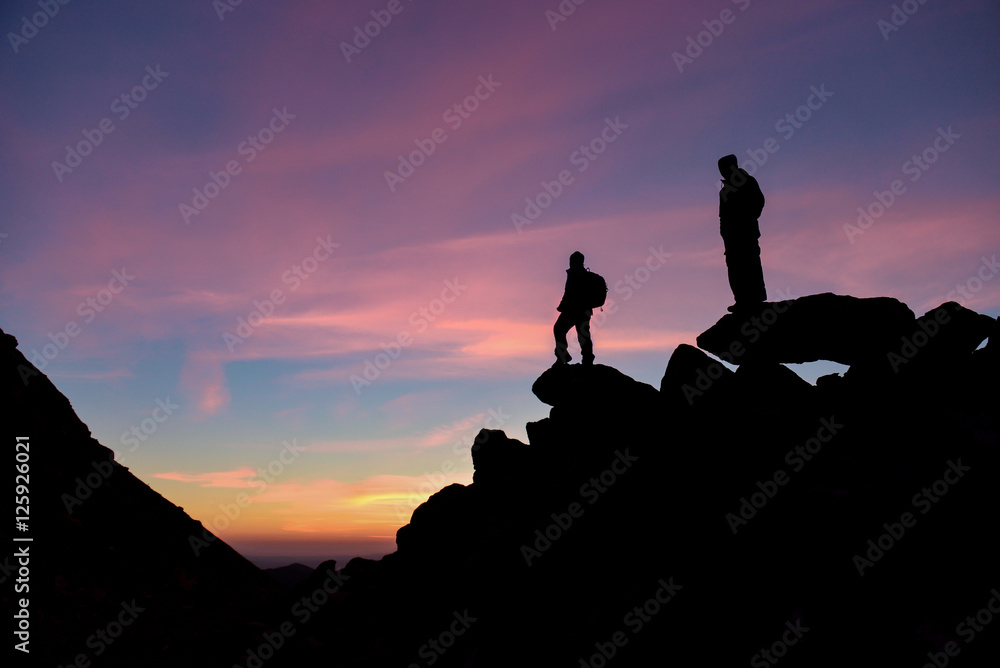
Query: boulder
[831, 327]
[772, 388]
[941, 338]
[497, 459]
[693, 378]
[589, 385]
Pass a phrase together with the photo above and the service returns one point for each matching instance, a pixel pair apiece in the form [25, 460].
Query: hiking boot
[745, 307]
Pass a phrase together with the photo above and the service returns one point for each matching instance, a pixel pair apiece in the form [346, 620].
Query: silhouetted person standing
[740, 205]
[573, 312]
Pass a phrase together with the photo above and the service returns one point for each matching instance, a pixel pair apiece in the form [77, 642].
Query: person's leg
[733, 268]
[560, 329]
[756, 292]
[746, 276]
[586, 341]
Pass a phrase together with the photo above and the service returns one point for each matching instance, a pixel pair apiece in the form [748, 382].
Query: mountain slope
[108, 550]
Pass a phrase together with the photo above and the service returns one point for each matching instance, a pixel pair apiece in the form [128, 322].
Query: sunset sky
[248, 161]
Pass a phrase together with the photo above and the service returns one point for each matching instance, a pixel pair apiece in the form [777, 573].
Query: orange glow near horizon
[235, 506]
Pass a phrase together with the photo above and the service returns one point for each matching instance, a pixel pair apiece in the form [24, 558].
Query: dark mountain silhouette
[108, 550]
[291, 575]
[725, 518]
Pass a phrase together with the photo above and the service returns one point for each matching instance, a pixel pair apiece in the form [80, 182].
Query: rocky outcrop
[588, 385]
[723, 509]
[943, 337]
[817, 327]
[690, 375]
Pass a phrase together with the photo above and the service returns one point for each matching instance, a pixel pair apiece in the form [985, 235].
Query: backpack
[595, 290]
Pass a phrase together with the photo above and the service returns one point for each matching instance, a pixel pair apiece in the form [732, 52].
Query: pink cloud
[239, 478]
[204, 379]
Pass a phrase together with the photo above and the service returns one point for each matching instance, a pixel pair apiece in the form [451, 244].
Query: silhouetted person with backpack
[574, 312]
[740, 205]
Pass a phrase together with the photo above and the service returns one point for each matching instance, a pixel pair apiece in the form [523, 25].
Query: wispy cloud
[239, 478]
[203, 377]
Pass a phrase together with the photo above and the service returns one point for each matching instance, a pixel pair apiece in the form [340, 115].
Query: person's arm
[562, 302]
[757, 199]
